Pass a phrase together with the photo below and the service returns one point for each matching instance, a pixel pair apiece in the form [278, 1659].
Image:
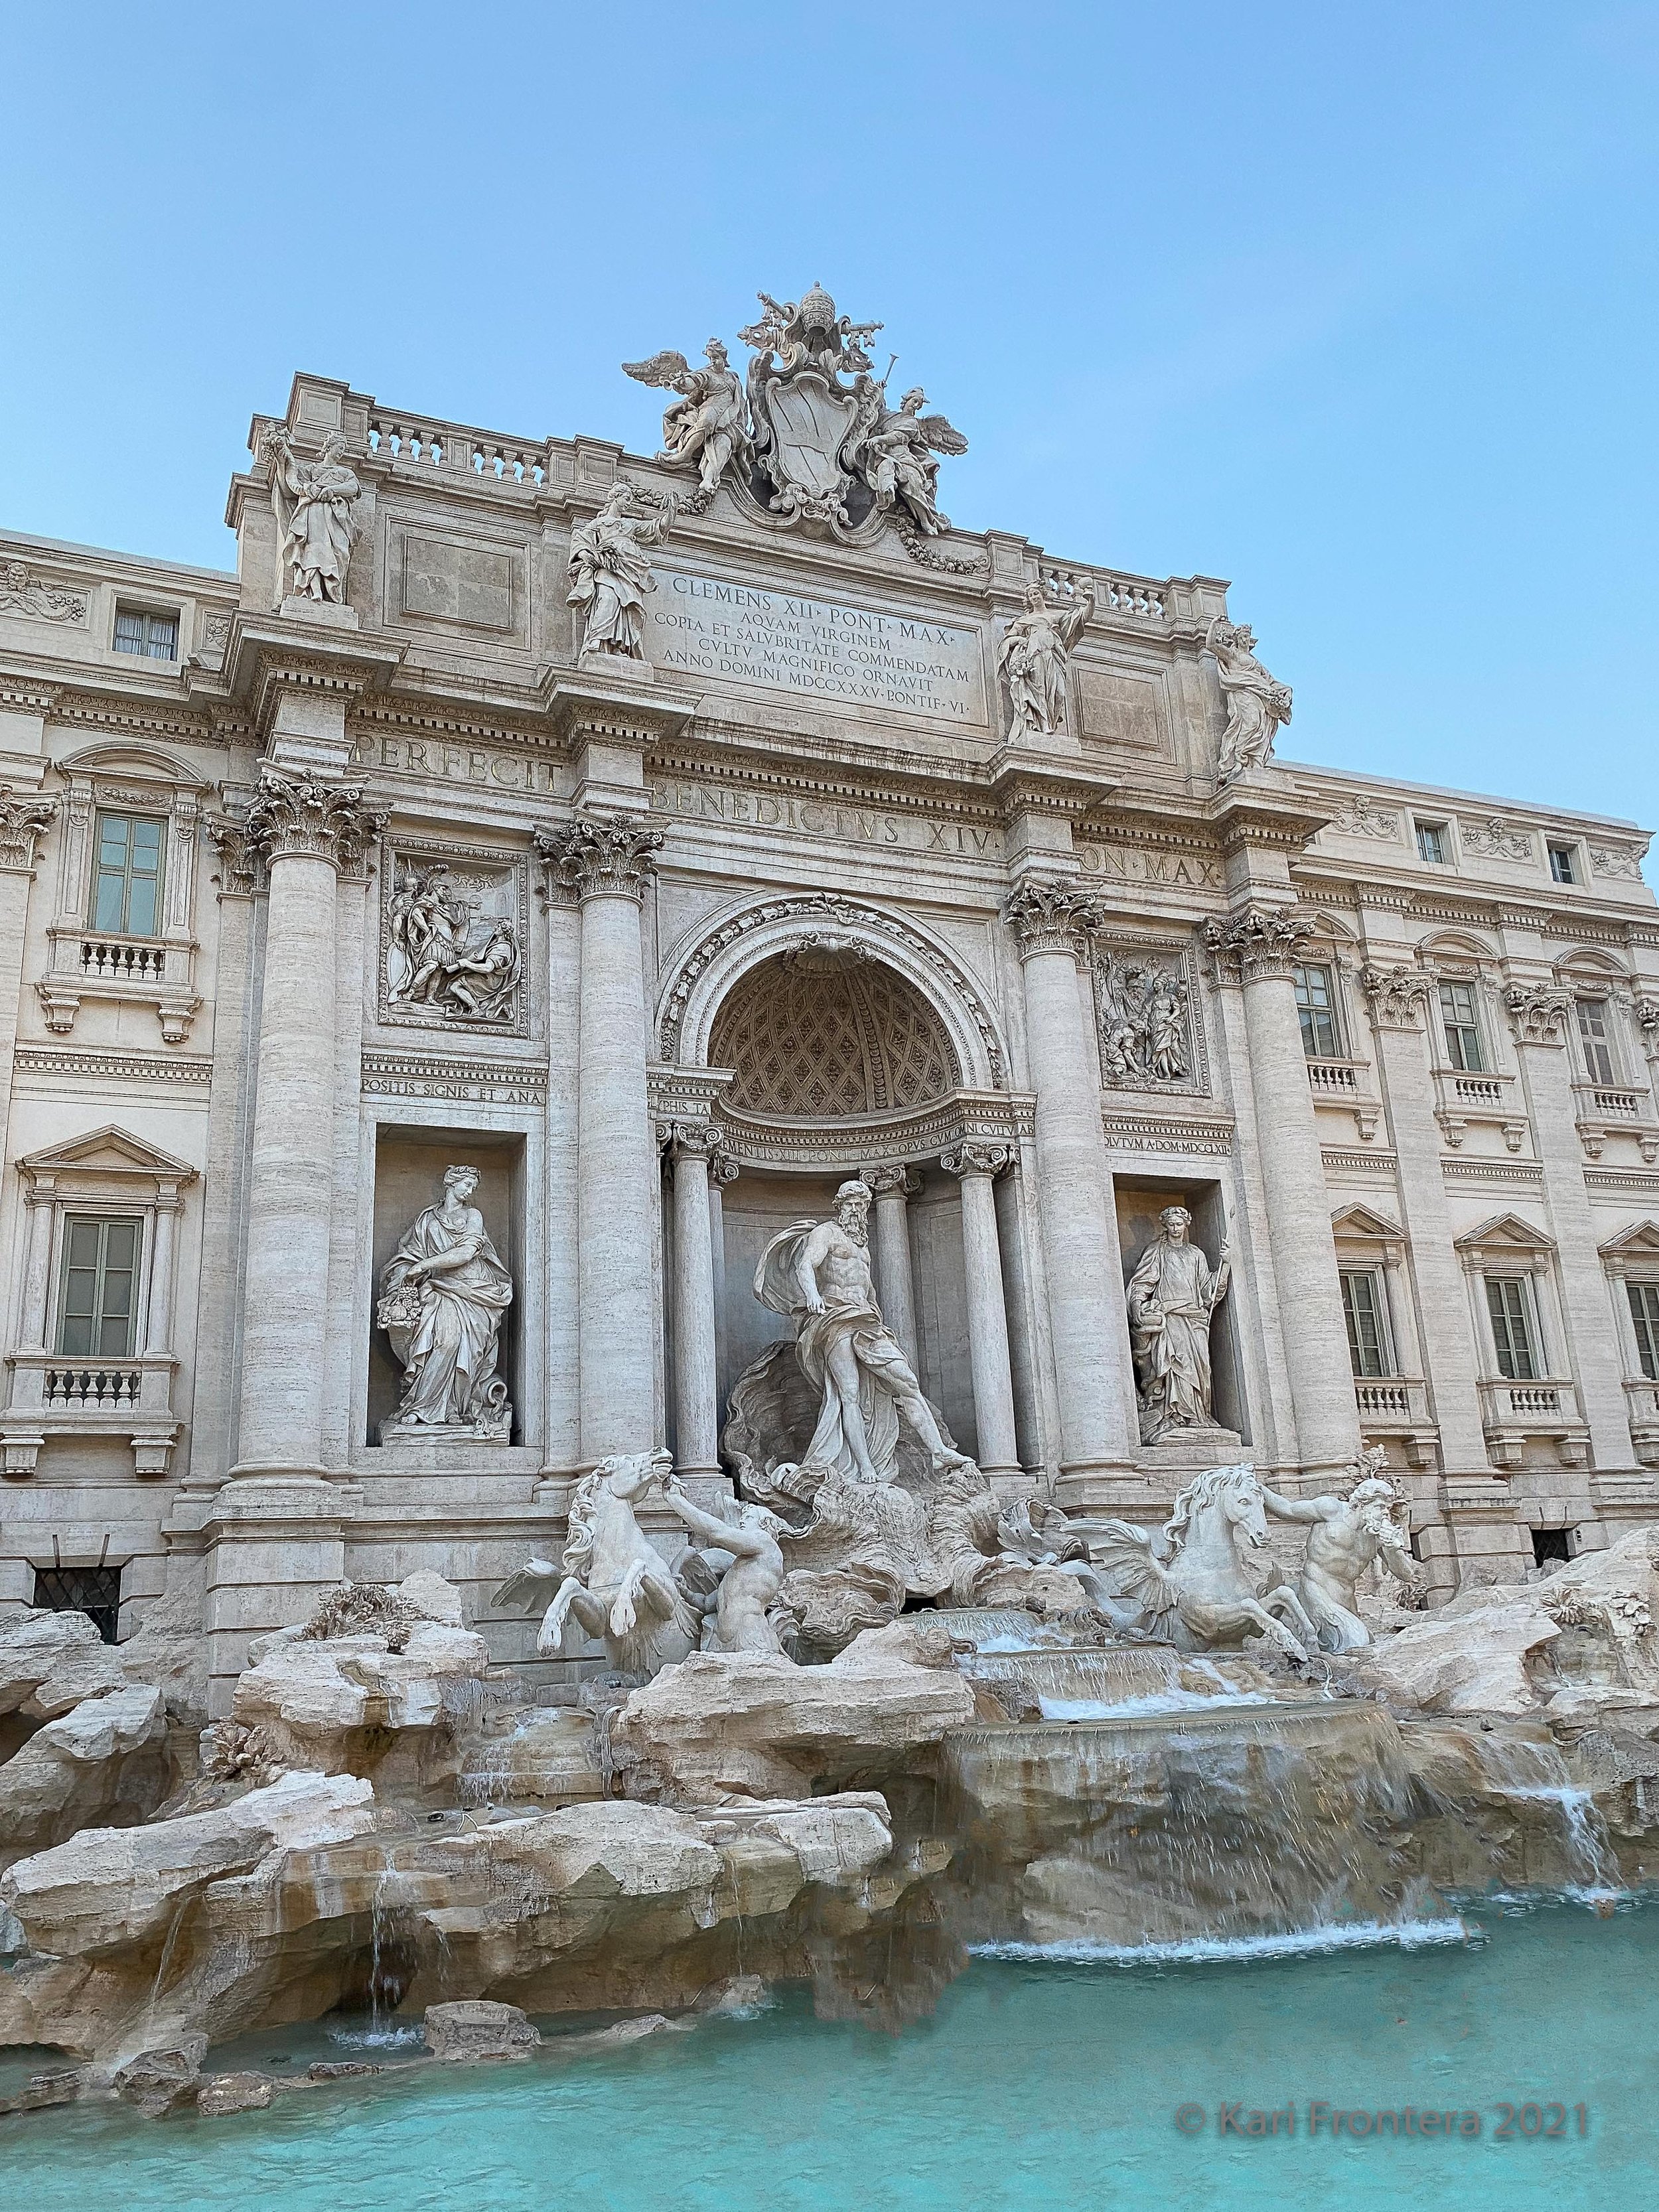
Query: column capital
[595, 856]
[1258, 943]
[241, 863]
[695, 1140]
[973, 1157]
[23, 820]
[892, 1180]
[1049, 915]
[1397, 995]
[300, 816]
[1538, 1014]
[723, 1169]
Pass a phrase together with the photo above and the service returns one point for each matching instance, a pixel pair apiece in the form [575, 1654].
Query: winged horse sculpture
[1201, 1593]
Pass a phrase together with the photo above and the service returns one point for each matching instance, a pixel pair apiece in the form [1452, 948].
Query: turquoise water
[1036, 2084]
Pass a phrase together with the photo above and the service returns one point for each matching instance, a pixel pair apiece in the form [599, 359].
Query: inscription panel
[704, 626]
[1121, 710]
[845, 821]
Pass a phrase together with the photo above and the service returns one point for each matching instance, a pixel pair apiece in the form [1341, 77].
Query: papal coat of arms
[809, 433]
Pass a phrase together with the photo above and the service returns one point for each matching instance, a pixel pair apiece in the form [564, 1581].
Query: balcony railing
[1333, 1078]
[1643, 1401]
[100, 1389]
[1386, 1400]
[122, 960]
[1544, 1406]
[1610, 1102]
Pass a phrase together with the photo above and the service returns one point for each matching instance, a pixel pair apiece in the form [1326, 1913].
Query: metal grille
[95, 1591]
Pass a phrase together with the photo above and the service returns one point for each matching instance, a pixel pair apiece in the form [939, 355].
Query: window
[1564, 863]
[1362, 1311]
[1316, 1002]
[1433, 843]
[126, 879]
[1514, 1337]
[100, 1266]
[153, 637]
[1596, 1037]
[1549, 1545]
[1645, 1312]
[95, 1591]
[1460, 1014]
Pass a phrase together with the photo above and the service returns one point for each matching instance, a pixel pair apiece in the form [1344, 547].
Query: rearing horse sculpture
[1201, 1595]
[611, 1579]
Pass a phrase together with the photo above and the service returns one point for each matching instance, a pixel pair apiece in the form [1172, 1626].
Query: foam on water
[1160, 1701]
[1219, 1950]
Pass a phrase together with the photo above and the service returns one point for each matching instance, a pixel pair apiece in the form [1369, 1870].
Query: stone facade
[851, 845]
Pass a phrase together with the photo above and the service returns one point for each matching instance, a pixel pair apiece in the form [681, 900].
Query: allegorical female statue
[1257, 702]
[443, 1294]
[610, 573]
[314, 503]
[1032, 656]
[1171, 1296]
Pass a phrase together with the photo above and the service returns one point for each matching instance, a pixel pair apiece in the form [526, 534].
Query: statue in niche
[445, 952]
[748, 1585]
[1347, 1536]
[818, 1273]
[1143, 1024]
[1033, 655]
[896, 451]
[610, 574]
[610, 1579]
[1256, 703]
[314, 503]
[708, 427]
[1171, 1297]
[443, 1294]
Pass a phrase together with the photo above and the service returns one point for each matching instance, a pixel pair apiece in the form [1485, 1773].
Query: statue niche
[826, 1032]
[444, 1294]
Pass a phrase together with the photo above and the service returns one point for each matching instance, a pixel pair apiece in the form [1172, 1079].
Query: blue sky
[1353, 305]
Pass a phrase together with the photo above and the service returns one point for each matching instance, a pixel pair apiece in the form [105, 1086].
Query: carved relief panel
[454, 925]
[1146, 1016]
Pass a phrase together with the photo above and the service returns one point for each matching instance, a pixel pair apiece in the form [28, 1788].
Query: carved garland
[848, 914]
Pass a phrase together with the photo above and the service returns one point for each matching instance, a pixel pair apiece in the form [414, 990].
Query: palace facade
[845, 845]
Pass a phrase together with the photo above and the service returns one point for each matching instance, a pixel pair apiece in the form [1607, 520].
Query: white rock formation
[50, 1660]
[102, 1761]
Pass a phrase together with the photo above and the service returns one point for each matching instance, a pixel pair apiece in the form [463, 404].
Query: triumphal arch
[567, 952]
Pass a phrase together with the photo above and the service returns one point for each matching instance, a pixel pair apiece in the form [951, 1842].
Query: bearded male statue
[1347, 1536]
[818, 1274]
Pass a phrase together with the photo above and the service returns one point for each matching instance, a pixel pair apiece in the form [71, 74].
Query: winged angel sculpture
[707, 426]
[896, 451]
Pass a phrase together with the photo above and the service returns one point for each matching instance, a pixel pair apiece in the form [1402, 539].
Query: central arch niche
[820, 1034]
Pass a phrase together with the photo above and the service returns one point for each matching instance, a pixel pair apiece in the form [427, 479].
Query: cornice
[122, 712]
[398, 710]
[694, 759]
[1251, 813]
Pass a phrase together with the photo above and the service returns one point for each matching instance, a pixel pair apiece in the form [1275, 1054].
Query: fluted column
[604, 864]
[1094, 1382]
[158, 1324]
[1255, 951]
[691, 1146]
[974, 1165]
[893, 1187]
[307, 832]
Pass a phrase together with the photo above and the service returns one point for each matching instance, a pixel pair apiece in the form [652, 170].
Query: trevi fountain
[805, 1402]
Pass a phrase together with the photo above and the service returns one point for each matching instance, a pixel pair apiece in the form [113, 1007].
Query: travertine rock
[111, 1887]
[314, 1699]
[222, 2094]
[158, 2081]
[170, 1650]
[101, 1763]
[478, 2028]
[1453, 1662]
[748, 1724]
[433, 1598]
[50, 1660]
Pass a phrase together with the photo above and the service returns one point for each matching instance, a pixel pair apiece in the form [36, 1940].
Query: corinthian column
[1255, 951]
[974, 1165]
[691, 1146]
[893, 1187]
[307, 831]
[604, 864]
[1094, 1384]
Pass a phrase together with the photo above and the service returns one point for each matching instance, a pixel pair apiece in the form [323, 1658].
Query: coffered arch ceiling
[817, 1035]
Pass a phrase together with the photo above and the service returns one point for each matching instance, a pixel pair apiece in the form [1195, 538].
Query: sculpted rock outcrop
[475, 2027]
[750, 1724]
[102, 1763]
[316, 1699]
[49, 1661]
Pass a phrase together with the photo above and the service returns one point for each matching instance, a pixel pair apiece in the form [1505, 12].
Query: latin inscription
[703, 626]
[444, 763]
[1134, 864]
[822, 818]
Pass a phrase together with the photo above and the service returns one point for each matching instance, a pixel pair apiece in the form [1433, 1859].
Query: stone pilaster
[1541, 1015]
[1398, 994]
[892, 1189]
[975, 1165]
[307, 831]
[1253, 951]
[691, 1147]
[604, 863]
[1094, 1384]
[24, 819]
